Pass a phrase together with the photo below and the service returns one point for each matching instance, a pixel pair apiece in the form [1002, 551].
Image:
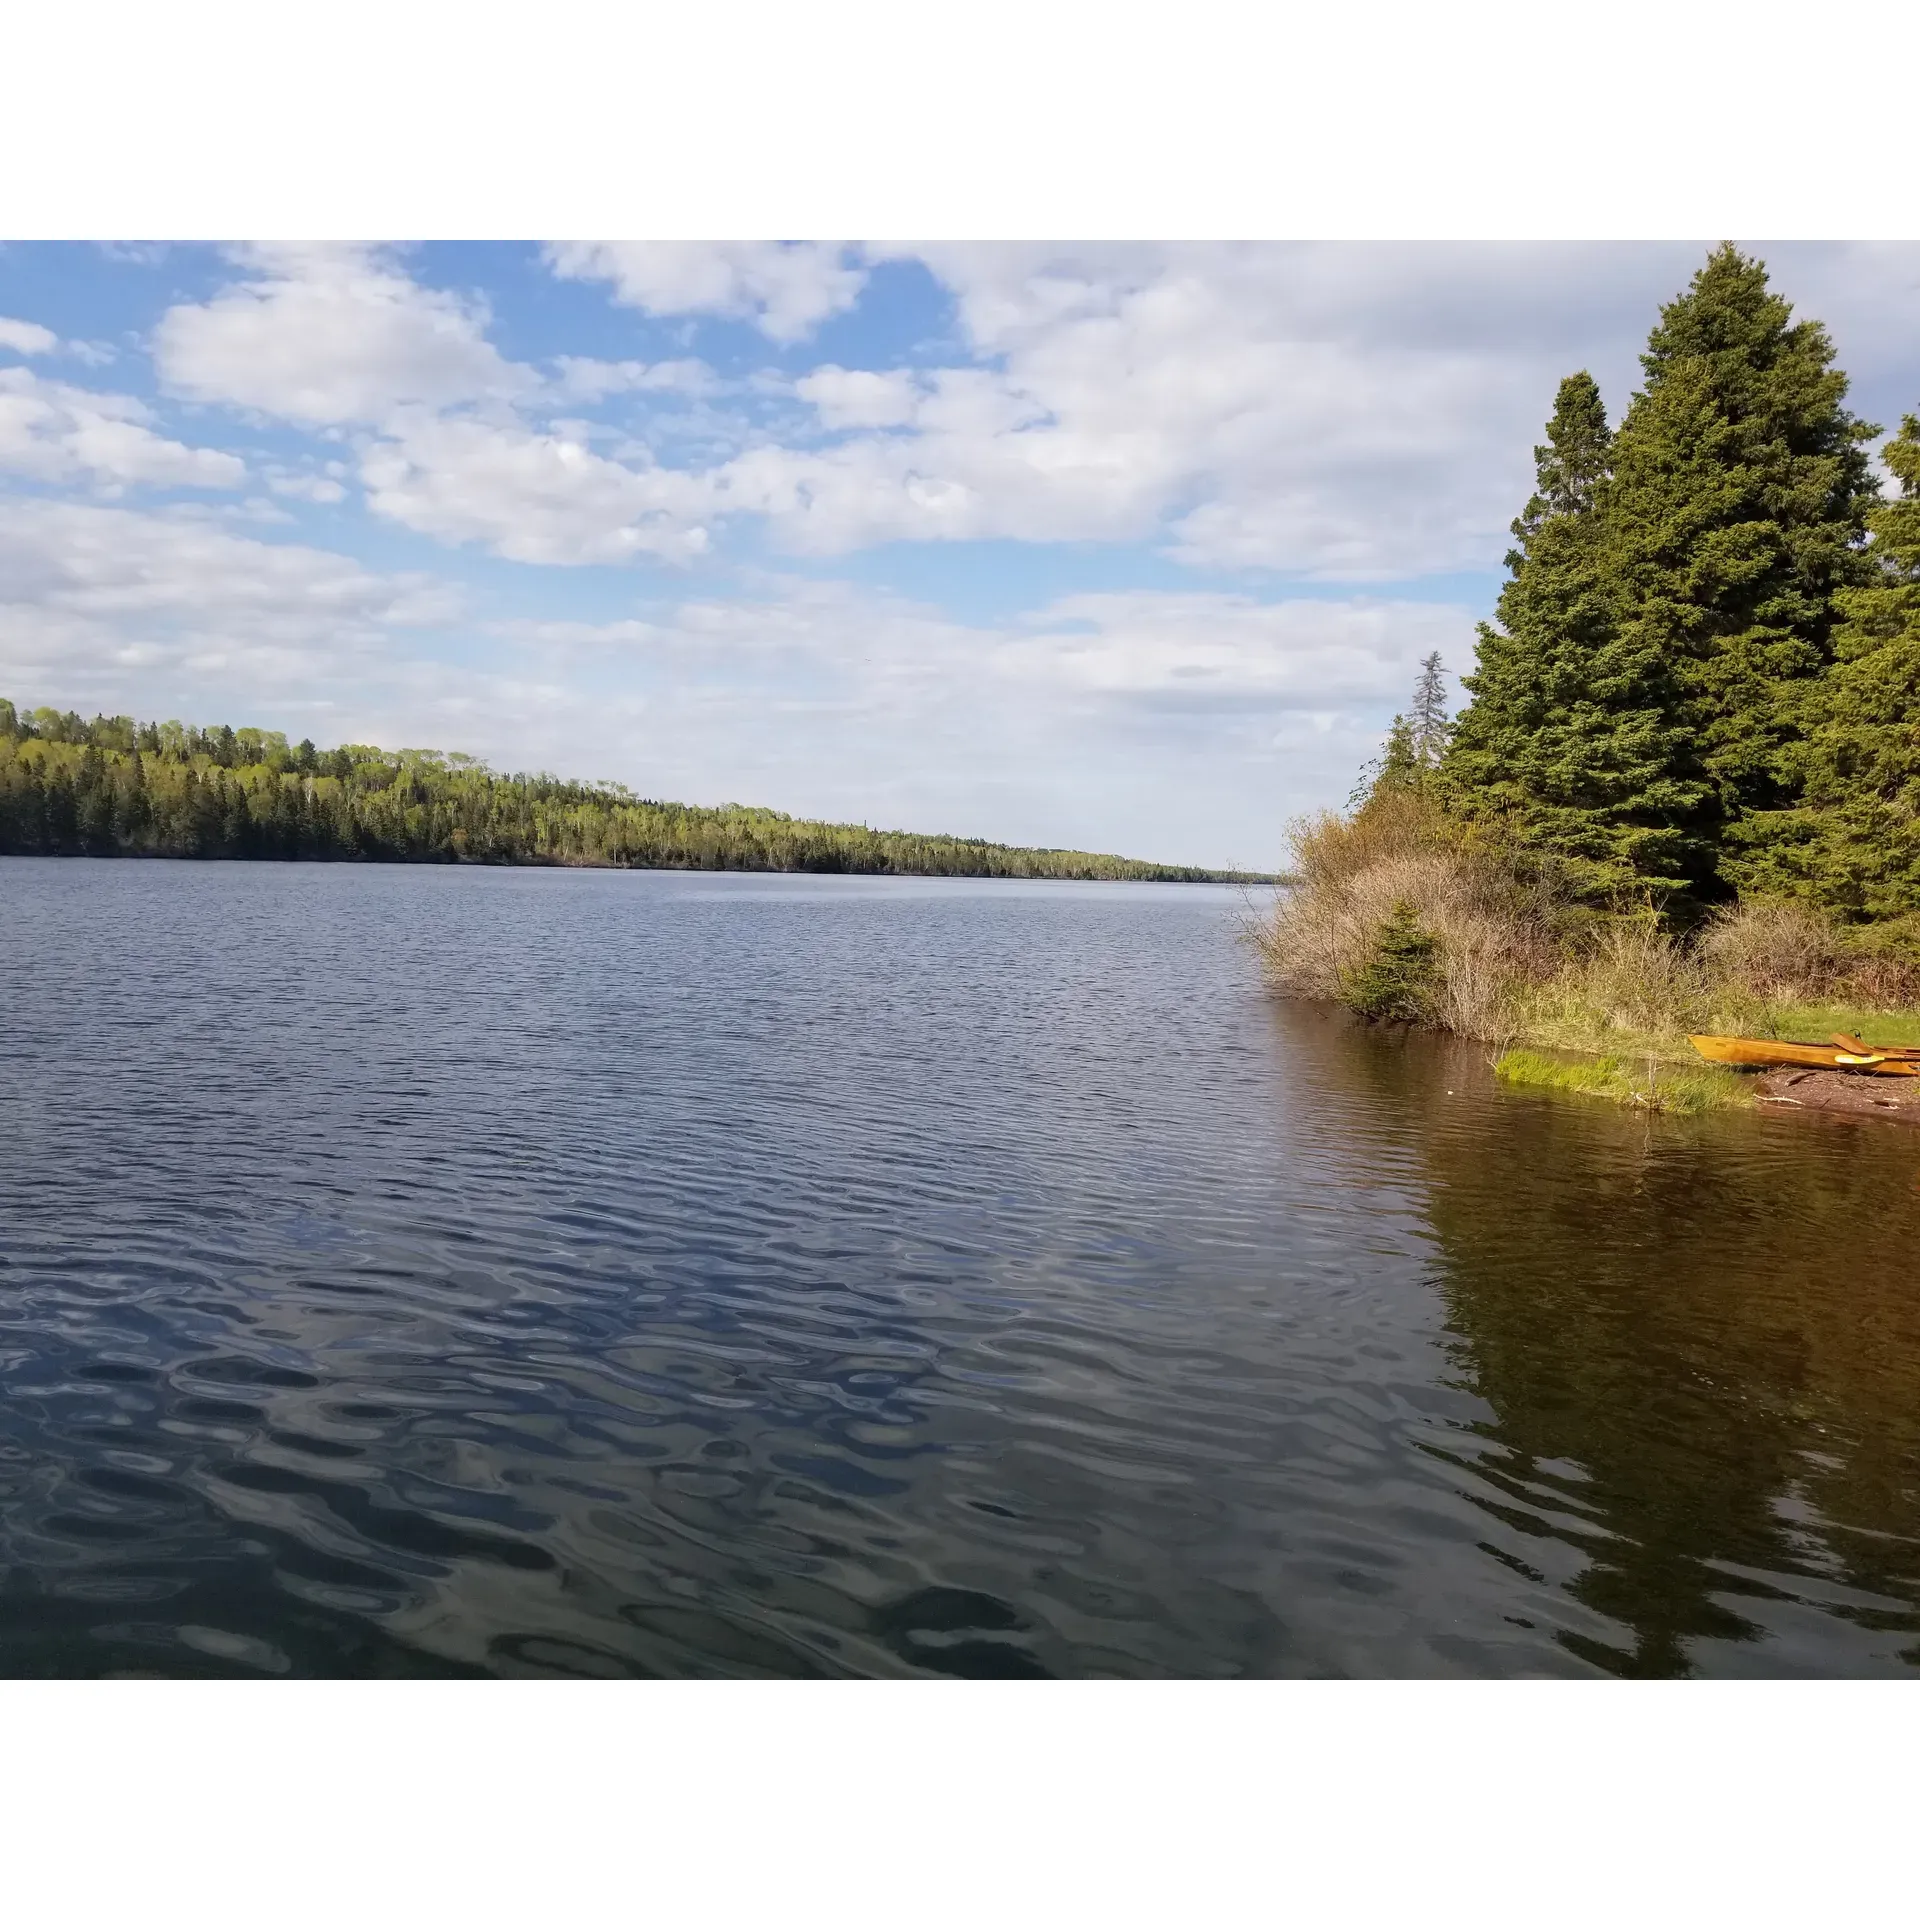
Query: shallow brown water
[414, 1271]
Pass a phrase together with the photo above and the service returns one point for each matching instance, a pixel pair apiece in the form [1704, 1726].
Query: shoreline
[1169, 877]
[1854, 1094]
[1403, 917]
[1618, 1078]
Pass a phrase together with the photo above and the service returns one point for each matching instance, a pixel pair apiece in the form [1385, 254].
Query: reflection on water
[1698, 1343]
[430, 1272]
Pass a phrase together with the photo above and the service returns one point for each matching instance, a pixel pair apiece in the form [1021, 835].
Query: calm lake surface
[414, 1271]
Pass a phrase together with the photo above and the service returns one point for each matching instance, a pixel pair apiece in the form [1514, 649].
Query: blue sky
[1124, 546]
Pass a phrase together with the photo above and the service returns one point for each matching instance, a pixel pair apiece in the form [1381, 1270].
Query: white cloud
[117, 564]
[1194, 648]
[1215, 401]
[337, 335]
[1334, 412]
[545, 498]
[590, 380]
[852, 398]
[1355, 413]
[785, 288]
[1220, 399]
[153, 613]
[25, 336]
[317, 487]
[596, 635]
[329, 335]
[53, 432]
[1180, 726]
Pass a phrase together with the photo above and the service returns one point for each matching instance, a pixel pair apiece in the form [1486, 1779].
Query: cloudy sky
[1131, 547]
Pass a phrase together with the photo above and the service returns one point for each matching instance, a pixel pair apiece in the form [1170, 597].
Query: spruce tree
[1568, 739]
[1735, 511]
[1399, 758]
[1415, 742]
[1854, 843]
[93, 803]
[1427, 720]
[1400, 976]
[1394, 769]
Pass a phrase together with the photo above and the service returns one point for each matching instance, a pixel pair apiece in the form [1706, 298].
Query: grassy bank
[1402, 914]
[1660, 1089]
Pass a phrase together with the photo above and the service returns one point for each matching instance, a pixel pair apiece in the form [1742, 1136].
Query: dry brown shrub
[1522, 950]
[1882, 964]
[1882, 980]
[1773, 950]
[1332, 847]
[1635, 977]
[1350, 876]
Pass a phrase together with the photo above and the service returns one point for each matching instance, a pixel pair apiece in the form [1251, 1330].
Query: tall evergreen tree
[1735, 511]
[1568, 738]
[1427, 719]
[1415, 742]
[1854, 843]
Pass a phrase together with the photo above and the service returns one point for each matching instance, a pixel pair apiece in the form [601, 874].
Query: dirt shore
[1863, 1094]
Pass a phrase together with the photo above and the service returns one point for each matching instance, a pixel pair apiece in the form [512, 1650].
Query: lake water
[414, 1271]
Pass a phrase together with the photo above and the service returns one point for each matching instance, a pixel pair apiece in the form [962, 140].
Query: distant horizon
[251, 745]
[1113, 546]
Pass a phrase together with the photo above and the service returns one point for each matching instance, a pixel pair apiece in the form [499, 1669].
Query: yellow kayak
[1846, 1054]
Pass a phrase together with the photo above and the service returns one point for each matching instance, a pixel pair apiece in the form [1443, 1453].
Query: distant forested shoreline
[114, 786]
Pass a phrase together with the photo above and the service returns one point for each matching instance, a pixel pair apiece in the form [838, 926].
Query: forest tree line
[117, 786]
[1702, 683]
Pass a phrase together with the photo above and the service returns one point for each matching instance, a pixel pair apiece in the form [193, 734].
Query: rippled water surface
[422, 1271]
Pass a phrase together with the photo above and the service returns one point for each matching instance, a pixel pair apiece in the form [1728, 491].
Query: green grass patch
[1559, 1021]
[1656, 1087]
[1797, 1020]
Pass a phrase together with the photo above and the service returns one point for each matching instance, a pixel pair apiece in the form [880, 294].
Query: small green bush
[1399, 979]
